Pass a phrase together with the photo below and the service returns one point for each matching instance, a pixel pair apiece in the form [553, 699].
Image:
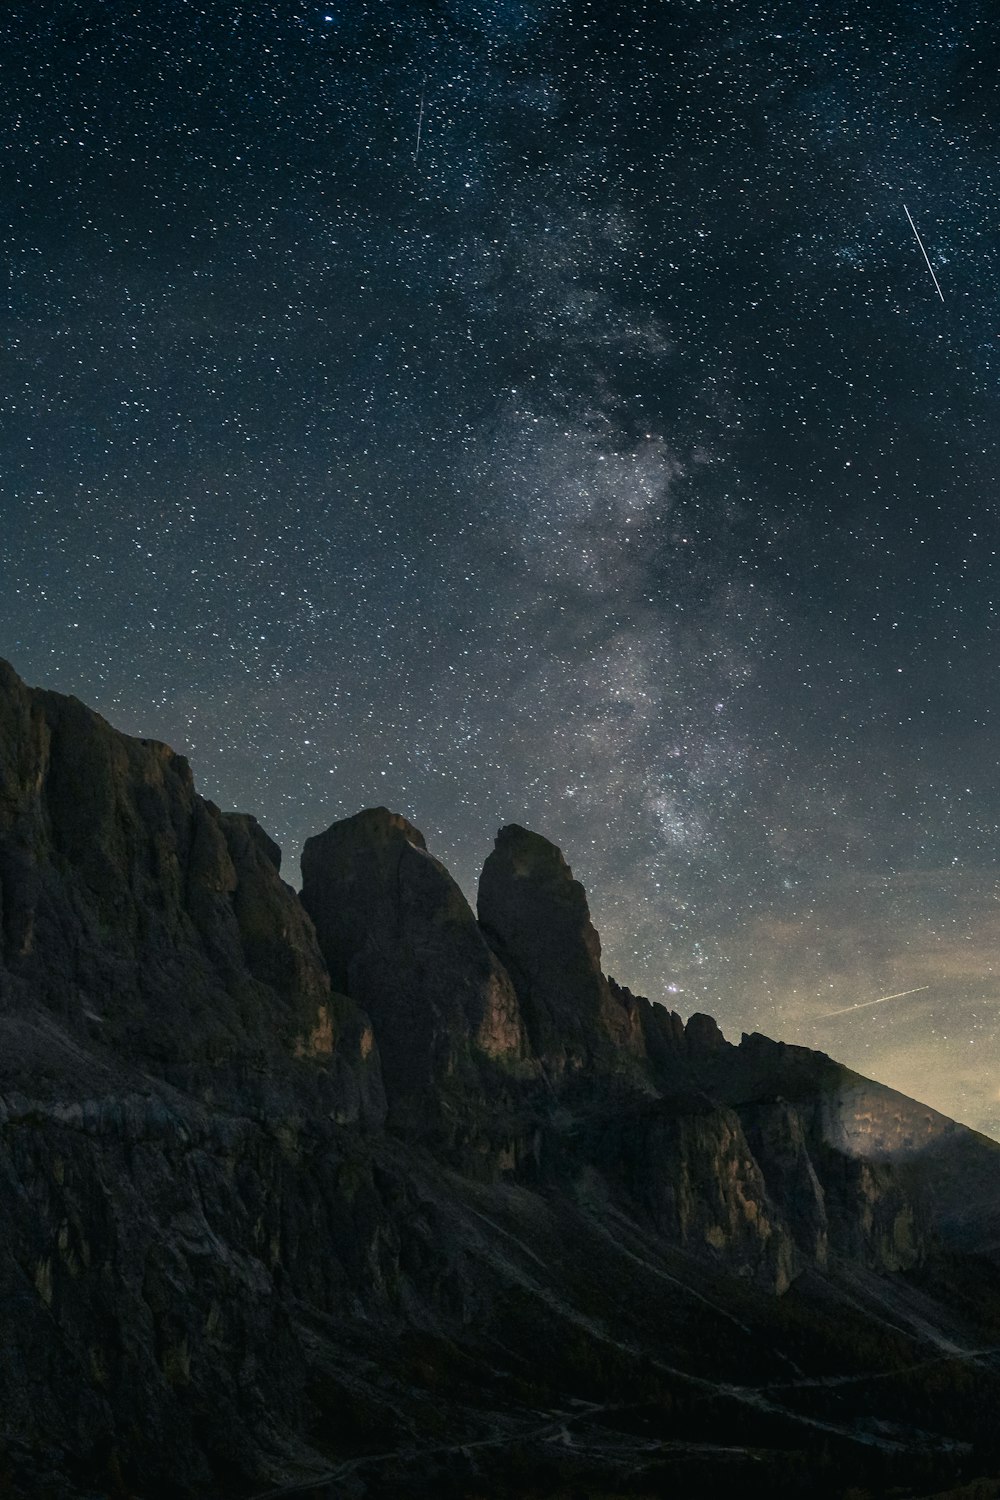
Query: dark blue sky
[611, 465]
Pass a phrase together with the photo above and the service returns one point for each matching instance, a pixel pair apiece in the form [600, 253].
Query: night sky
[610, 464]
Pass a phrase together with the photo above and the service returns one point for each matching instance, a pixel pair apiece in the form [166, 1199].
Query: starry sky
[543, 412]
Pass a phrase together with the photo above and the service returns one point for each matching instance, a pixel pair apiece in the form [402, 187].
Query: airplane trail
[923, 251]
[864, 1004]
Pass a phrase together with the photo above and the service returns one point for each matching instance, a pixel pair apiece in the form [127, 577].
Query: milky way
[607, 464]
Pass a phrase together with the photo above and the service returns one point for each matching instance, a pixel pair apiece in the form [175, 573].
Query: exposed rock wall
[537, 919]
[209, 1214]
[399, 937]
[146, 925]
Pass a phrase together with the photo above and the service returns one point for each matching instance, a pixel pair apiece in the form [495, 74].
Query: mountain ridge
[259, 1149]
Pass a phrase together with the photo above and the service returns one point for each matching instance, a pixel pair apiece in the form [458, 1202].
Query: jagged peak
[703, 1033]
[399, 936]
[525, 882]
[373, 826]
[531, 854]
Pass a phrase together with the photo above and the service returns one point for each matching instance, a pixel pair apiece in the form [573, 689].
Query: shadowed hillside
[362, 1193]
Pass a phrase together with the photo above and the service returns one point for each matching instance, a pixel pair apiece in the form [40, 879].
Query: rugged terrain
[361, 1193]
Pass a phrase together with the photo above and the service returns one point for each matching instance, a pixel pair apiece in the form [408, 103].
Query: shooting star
[923, 252]
[864, 1004]
[420, 125]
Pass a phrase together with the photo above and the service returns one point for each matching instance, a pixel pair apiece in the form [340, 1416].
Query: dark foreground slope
[363, 1194]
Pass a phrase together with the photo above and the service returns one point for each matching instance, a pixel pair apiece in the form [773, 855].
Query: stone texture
[688, 1171]
[703, 1036]
[399, 937]
[137, 917]
[222, 1270]
[537, 919]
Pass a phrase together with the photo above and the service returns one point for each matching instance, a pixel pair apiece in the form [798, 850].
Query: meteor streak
[864, 1004]
[420, 126]
[939, 292]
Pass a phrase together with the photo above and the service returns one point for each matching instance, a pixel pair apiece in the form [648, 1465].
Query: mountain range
[356, 1192]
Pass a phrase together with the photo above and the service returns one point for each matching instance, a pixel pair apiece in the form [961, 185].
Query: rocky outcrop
[679, 1125]
[294, 1188]
[146, 925]
[536, 917]
[684, 1167]
[399, 937]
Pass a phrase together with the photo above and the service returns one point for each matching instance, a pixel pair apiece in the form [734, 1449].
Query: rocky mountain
[360, 1193]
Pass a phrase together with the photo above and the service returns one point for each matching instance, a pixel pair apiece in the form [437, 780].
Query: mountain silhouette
[357, 1192]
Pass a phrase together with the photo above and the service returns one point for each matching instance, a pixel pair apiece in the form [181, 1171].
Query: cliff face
[141, 924]
[535, 915]
[285, 1182]
[398, 935]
